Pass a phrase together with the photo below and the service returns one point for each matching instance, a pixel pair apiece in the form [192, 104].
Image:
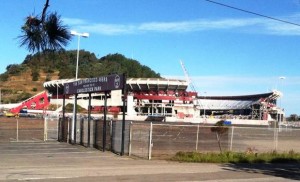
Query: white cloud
[192, 26]
[74, 21]
[285, 29]
[254, 25]
[107, 29]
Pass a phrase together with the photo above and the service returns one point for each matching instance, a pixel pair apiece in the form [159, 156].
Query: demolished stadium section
[160, 99]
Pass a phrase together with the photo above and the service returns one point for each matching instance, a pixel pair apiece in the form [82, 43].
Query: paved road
[63, 162]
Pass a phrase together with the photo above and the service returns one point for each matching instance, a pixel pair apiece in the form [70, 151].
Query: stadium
[161, 99]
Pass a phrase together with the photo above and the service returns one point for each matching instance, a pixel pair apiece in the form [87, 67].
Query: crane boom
[187, 77]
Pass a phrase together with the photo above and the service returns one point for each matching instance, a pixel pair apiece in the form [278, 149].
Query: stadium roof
[155, 84]
[133, 84]
[274, 93]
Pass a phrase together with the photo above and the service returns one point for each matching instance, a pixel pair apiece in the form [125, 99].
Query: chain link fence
[149, 140]
[21, 129]
[51, 123]
[140, 140]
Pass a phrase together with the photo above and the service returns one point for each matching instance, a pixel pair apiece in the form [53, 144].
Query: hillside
[21, 81]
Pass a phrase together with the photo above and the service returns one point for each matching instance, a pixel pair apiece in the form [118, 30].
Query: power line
[251, 12]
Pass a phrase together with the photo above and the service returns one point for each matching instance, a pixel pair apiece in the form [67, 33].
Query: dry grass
[17, 85]
[238, 157]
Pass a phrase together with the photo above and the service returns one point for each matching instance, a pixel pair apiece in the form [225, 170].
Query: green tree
[293, 117]
[4, 77]
[64, 63]
[117, 63]
[220, 129]
[35, 75]
[45, 32]
[15, 69]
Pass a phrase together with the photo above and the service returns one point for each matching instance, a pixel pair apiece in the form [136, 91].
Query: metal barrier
[51, 123]
[94, 137]
[163, 140]
[147, 140]
[21, 129]
[116, 137]
[140, 140]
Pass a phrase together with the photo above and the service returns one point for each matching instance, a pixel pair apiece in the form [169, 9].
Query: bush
[238, 157]
[35, 75]
[23, 96]
[48, 78]
[69, 108]
[4, 77]
[15, 69]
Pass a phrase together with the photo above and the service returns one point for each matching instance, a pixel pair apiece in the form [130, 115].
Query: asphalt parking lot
[38, 161]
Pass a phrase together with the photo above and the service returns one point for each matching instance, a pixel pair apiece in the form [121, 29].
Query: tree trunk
[44, 11]
[219, 141]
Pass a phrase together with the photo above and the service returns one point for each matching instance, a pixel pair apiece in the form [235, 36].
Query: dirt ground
[21, 129]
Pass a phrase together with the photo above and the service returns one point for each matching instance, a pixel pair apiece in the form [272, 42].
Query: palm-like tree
[44, 33]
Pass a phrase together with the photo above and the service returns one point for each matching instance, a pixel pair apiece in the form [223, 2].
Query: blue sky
[226, 52]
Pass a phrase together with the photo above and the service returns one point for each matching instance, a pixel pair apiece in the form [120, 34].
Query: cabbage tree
[44, 32]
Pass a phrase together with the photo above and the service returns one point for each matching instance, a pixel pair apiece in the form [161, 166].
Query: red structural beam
[37, 102]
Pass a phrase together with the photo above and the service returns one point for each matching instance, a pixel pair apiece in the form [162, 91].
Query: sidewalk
[64, 162]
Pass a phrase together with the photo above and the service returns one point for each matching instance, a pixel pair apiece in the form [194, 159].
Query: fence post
[150, 142]
[81, 130]
[275, 136]
[89, 121]
[197, 139]
[276, 139]
[231, 138]
[68, 132]
[17, 129]
[111, 138]
[130, 138]
[57, 125]
[45, 129]
[95, 133]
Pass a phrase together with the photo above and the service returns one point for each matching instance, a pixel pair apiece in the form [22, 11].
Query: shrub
[238, 157]
[69, 108]
[4, 77]
[35, 75]
[48, 78]
[23, 96]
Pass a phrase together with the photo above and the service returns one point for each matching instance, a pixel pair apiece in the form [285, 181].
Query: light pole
[279, 117]
[57, 98]
[78, 35]
[281, 78]
[85, 35]
[204, 105]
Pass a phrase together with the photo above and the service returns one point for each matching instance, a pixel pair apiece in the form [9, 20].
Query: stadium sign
[97, 84]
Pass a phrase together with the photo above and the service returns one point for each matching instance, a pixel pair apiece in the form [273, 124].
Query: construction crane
[188, 79]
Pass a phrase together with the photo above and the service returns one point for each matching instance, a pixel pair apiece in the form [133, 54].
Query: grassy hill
[20, 87]
[21, 81]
